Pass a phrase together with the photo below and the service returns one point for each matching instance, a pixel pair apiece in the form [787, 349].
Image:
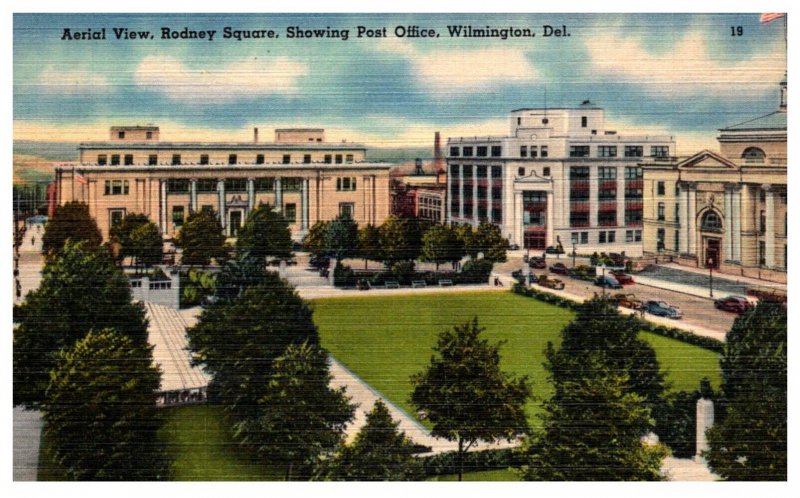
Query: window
[128, 159]
[575, 239]
[152, 159]
[207, 208]
[348, 158]
[203, 159]
[607, 218]
[290, 212]
[497, 151]
[634, 151]
[612, 237]
[176, 158]
[497, 172]
[633, 217]
[177, 186]
[544, 150]
[535, 152]
[287, 158]
[116, 187]
[753, 155]
[584, 237]
[660, 235]
[338, 159]
[102, 159]
[148, 135]
[607, 151]
[346, 209]
[236, 185]
[677, 189]
[264, 184]
[328, 158]
[762, 253]
[523, 151]
[120, 135]
[607, 173]
[762, 226]
[480, 172]
[345, 184]
[232, 158]
[677, 240]
[660, 190]
[467, 151]
[584, 121]
[291, 184]
[633, 173]
[628, 235]
[115, 217]
[306, 158]
[546, 171]
[114, 159]
[454, 151]
[659, 151]
[482, 151]
[579, 218]
[711, 221]
[578, 151]
[660, 211]
[519, 121]
[206, 185]
[602, 238]
[521, 172]
[259, 158]
[177, 215]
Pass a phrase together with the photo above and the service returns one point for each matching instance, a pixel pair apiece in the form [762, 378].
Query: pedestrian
[33, 240]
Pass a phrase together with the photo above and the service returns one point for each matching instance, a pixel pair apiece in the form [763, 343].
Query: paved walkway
[30, 263]
[27, 434]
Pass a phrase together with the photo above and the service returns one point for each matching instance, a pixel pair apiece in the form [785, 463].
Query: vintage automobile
[735, 304]
[622, 277]
[319, 261]
[559, 268]
[627, 301]
[537, 262]
[608, 282]
[550, 283]
[660, 308]
[518, 275]
[582, 272]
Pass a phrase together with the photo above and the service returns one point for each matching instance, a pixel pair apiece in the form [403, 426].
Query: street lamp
[573, 254]
[710, 277]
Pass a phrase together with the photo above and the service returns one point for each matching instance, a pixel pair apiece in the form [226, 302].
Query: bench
[415, 284]
[445, 283]
[392, 284]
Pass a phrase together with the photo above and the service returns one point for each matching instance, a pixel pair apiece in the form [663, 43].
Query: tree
[605, 380]
[466, 396]
[265, 233]
[341, 238]
[400, 240]
[315, 240]
[147, 245]
[82, 289]
[202, 239]
[466, 235]
[70, 222]
[122, 231]
[369, 244]
[441, 244]
[300, 417]
[238, 337]
[488, 240]
[379, 452]
[750, 442]
[100, 412]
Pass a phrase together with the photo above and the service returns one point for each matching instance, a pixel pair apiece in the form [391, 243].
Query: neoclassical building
[559, 177]
[725, 210]
[305, 177]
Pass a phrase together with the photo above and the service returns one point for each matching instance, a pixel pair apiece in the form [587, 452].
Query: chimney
[418, 166]
[255, 135]
[437, 148]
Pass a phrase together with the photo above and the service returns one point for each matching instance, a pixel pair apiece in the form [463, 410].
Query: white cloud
[468, 70]
[241, 78]
[689, 67]
[72, 82]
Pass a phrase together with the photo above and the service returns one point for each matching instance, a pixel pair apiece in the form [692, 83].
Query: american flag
[80, 178]
[771, 16]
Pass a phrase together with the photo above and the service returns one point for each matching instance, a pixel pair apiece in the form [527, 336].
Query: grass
[385, 340]
[486, 475]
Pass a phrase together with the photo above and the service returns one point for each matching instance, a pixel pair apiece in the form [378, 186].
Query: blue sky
[683, 75]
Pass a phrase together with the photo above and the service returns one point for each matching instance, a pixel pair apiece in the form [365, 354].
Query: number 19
[737, 31]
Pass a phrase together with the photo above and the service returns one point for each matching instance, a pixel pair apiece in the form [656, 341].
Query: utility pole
[710, 277]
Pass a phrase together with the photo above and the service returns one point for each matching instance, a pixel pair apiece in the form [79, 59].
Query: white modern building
[559, 178]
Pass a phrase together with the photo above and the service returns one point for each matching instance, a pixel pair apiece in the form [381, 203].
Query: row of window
[152, 159]
[545, 171]
[606, 237]
[534, 151]
[477, 151]
[611, 151]
[207, 185]
[480, 171]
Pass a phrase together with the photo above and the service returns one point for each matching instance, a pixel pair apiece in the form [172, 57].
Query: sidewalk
[749, 281]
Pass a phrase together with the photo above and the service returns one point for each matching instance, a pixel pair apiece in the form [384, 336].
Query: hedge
[670, 332]
[474, 461]
[473, 272]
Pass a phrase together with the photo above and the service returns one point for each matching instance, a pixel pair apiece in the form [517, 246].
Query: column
[460, 191]
[304, 204]
[489, 201]
[251, 194]
[448, 216]
[519, 227]
[475, 195]
[193, 195]
[593, 192]
[221, 192]
[769, 235]
[683, 207]
[550, 221]
[278, 195]
[162, 208]
[621, 197]
[728, 241]
[736, 222]
[691, 218]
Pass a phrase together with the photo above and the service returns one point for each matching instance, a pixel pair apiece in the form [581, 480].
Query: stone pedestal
[705, 420]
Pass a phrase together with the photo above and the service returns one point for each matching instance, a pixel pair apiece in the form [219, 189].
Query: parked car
[608, 282]
[550, 283]
[627, 301]
[559, 268]
[617, 259]
[660, 308]
[736, 304]
[518, 276]
[537, 262]
[622, 277]
[319, 261]
[582, 272]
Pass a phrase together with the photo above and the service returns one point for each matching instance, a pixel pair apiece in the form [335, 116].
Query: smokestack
[255, 135]
[437, 148]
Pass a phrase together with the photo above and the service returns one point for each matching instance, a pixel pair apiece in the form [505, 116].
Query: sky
[685, 75]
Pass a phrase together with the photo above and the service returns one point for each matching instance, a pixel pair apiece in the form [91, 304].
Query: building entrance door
[234, 222]
[712, 253]
[535, 240]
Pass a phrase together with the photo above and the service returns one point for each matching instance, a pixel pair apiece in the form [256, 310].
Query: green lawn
[487, 475]
[387, 339]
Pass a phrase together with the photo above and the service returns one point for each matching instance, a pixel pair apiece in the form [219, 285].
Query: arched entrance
[711, 234]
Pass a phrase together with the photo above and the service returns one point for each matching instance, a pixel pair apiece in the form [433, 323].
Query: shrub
[343, 276]
[403, 271]
[476, 271]
[474, 461]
